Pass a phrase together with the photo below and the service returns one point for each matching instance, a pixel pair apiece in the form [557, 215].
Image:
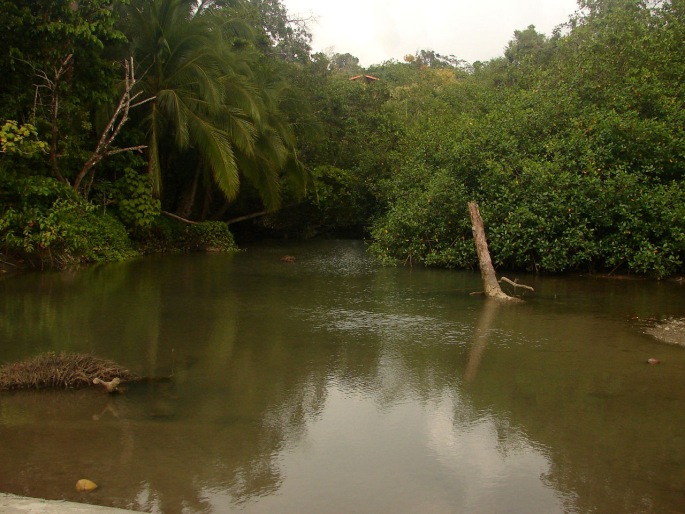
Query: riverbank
[12, 504]
[670, 331]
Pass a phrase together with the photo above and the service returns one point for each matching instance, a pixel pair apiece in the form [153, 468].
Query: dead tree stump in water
[487, 270]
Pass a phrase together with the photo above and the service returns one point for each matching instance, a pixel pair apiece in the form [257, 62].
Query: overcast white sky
[378, 30]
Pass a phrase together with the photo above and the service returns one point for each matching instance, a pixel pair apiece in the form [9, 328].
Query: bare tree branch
[515, 284]
[138, 148]
[172, 215]
[52, 85]
[115, 124]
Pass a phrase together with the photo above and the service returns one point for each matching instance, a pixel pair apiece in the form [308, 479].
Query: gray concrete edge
[12, 504]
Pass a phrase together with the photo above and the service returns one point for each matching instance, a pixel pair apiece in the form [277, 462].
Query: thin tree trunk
[54, 135]
[172, 215]
[54, 86]
[487, 270]
[248, 217]
[188, 198]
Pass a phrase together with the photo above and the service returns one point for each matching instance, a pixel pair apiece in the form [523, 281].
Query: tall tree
[204, 101]
[56, 70]
[218, 105]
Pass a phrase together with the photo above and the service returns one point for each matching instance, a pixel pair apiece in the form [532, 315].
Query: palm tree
[188, 68]
[211, 100]
[275, 145]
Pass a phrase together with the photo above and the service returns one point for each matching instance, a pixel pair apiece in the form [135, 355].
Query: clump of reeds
[63, 370]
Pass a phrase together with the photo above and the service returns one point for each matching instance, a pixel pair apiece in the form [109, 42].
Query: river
[333, 385]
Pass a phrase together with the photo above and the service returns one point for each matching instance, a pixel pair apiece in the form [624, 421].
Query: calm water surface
[331, 385]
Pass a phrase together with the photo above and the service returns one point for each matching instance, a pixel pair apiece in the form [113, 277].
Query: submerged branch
[515, 284]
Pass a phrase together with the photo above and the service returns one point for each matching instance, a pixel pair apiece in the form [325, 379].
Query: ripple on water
[397, 327]
[342, 260]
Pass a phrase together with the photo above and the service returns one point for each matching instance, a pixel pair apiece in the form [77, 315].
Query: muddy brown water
[332, 385]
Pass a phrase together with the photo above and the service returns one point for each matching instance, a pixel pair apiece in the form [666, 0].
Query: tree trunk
[114, 126]
[490, 285]
[185, 206]
[54, 86]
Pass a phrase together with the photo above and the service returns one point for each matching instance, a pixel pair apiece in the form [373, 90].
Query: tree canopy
[572, 142]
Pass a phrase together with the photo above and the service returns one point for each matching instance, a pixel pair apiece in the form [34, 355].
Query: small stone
[653, 361]
[85, 485]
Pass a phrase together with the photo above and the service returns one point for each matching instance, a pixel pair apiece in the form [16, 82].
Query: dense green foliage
[137, 208]
[20, 140]
[208, 235]
[197, 87]
[572, 144]
[46, 224]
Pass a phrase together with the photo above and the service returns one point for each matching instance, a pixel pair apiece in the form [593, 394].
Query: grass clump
[61, 371]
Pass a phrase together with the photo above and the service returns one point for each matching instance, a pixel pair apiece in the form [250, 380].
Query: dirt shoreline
[12, 504]
[670, 331]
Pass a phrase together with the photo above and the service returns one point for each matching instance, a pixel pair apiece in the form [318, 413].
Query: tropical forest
[241, 275]
[142, 126]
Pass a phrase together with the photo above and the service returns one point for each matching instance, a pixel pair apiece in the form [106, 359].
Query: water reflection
[481, 335]
[331, 385]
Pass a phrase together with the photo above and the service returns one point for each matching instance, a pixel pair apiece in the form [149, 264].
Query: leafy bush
[343, 198]
[428, 224]
[135, 204]
[577, 167]
[209, 235]
[21, 140]
[68, 232]
[644, 230]
[45, 223]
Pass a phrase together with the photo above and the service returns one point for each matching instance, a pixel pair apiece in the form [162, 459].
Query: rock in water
[85, 485]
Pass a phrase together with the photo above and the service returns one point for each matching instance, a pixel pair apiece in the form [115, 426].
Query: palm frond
[215, 148]
[172, 106]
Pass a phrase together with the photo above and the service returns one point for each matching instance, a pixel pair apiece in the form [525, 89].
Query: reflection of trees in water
[219, 427]
[613, 439]
[250, 376]
[125, 446]
[104, 310]
[39, 309]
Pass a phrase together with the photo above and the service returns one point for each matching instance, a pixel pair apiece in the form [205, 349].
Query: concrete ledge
[11, 504]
